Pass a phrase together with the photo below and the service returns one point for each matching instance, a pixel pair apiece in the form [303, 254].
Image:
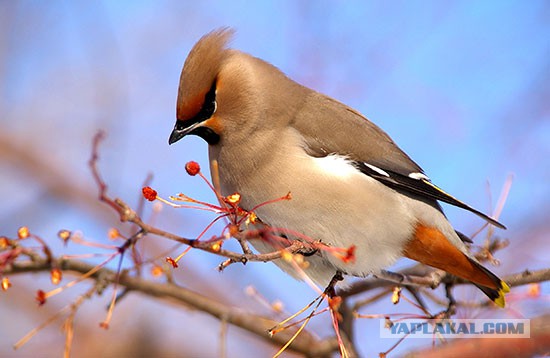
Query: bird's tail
[430, 246]
[495, 294]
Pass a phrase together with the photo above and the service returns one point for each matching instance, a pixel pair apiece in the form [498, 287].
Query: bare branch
[418, 276]
[305, 343]
[526, 277]
[127, 214]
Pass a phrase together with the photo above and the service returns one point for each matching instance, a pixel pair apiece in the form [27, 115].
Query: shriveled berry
[149, 193]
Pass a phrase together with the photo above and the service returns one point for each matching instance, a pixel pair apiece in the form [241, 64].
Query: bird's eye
[195, 124]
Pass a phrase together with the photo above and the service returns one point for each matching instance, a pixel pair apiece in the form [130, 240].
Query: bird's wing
[330, 127]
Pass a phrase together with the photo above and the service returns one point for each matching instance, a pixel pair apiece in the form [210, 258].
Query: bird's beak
[179, 132]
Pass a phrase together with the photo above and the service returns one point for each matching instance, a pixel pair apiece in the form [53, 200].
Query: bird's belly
[333, 203]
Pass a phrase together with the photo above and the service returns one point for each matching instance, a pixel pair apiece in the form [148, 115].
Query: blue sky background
[463, 87]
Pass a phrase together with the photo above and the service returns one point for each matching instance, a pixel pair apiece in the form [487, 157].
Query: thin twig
[259, 325]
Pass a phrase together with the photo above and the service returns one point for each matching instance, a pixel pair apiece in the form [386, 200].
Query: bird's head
[224, 93]
[197, 102]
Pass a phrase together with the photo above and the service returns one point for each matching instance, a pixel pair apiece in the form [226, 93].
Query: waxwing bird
[351, 185]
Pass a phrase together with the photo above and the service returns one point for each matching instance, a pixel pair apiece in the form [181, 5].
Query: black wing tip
[493, 222]
[419, 184]
[453, 201]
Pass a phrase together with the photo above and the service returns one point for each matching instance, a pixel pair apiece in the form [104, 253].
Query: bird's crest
[200, 70]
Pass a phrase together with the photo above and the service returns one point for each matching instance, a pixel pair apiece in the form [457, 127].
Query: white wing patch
[376, 169]
[419, 176]
[336, 165]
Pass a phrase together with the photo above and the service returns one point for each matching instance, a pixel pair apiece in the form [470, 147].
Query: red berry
[192, 168]
[149, 194]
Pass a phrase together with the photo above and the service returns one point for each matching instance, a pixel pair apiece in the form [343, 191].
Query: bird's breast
[332, 202]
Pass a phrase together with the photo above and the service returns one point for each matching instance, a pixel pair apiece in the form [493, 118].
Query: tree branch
[305, 343]
[423, 276]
